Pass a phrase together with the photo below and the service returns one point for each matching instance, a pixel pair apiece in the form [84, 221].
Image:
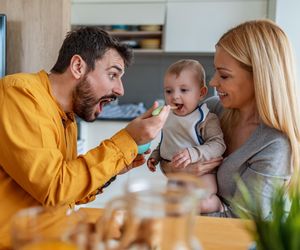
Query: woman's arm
[266, 169]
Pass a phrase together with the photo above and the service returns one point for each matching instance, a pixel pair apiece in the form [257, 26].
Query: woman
[256, 83]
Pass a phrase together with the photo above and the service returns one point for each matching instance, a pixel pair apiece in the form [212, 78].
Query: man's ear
[77, 66]
[203, 91]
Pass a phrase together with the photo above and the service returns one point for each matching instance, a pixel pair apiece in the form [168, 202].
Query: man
[38, 157]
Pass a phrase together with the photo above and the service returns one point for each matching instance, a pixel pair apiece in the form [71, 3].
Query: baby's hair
[199, 72]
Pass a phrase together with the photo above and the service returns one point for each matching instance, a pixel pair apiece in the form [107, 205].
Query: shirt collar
[65, 117]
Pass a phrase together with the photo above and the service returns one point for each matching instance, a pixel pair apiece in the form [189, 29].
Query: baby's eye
[184, 90]
[167, 91]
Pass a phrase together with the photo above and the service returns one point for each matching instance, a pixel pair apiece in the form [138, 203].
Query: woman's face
[233, 83]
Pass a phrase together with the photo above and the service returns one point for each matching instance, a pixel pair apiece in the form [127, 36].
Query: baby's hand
[151, 163]
[181, 160]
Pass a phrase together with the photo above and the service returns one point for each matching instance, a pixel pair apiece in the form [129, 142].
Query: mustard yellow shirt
[38, 153]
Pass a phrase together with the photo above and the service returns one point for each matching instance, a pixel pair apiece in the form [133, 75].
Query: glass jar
[152, 215]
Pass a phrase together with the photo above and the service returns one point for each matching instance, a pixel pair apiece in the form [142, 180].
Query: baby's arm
[214, 145]
[153, 159]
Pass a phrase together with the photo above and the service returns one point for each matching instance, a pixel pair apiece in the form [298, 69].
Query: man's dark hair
[90, 43]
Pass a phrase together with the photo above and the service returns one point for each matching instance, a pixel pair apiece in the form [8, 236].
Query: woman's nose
[213, 82]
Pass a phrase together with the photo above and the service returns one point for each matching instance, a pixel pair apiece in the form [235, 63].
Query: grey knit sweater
[264, 159]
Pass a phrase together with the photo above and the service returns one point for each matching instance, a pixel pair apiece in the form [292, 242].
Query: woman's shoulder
[273, 135]
[214, 105]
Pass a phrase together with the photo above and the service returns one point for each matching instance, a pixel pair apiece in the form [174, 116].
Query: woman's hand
[202, 168]
[181, 160]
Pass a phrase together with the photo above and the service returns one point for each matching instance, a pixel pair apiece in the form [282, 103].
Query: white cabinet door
[196, 26]
[93, 133]
[109, 13]
[117, 1]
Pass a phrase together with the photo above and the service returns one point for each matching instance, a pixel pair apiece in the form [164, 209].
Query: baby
[191, 133]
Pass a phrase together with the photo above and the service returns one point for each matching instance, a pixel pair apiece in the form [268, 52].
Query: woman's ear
[203, 91]
[77, 67]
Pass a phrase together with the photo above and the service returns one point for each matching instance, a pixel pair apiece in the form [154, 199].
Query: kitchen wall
[35, 31]
[189, 29]
[286, 14]
[143, 81]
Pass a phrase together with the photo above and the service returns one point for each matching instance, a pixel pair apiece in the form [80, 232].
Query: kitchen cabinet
[35, 32]
[129, 13]
[188, 26]
[196, 26]
[140, 38]
[117, 12]
[93, 133]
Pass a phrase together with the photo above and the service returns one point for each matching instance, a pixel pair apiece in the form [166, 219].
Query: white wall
[286, 13]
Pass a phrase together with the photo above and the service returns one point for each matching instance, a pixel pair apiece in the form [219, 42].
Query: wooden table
[213, 233]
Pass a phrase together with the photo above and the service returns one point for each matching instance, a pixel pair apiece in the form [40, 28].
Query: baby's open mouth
[178, 106]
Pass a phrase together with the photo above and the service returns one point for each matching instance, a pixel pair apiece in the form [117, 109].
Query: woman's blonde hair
[263, 48]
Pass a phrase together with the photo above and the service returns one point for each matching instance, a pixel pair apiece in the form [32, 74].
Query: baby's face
[182, 91]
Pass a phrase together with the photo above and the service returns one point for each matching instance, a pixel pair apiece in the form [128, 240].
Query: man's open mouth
[107, 100]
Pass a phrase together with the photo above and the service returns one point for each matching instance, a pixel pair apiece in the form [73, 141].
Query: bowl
[143, 148]
[150, 27]
[119, 27]
[150, 43]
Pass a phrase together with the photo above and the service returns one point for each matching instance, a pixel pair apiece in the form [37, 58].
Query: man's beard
[85, 101]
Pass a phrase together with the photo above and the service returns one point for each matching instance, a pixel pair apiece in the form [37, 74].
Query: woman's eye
[223, 77]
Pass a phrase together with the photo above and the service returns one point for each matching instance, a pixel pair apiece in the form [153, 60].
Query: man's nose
[119, 89]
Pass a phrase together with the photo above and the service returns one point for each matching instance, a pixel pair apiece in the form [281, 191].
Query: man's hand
[146, 127]
[181, 160]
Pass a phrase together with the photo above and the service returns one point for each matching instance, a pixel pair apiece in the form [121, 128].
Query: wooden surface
[213, 233]
[35, 31]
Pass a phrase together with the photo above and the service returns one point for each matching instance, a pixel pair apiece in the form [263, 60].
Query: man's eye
[112, 76]
[223, 77]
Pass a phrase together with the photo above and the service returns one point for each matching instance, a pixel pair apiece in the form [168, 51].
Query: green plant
[281, 231]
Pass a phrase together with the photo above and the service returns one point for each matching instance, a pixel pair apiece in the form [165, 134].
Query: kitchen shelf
[138, 34]
[148, 51]
[140, 40]
[136, 38]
